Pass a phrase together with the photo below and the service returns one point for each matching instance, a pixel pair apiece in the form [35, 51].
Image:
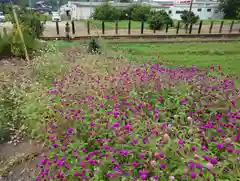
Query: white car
[56, 16]
[2, 17]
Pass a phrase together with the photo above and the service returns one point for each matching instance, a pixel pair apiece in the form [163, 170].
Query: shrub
[5, 45]
[24, 105]
[10, 114]
[189, 17]
[124, 14]
[93, 46]
[106, 12]
[138, 12]
[157, 19]
[17, 46]
[238, 13]
[31, 28]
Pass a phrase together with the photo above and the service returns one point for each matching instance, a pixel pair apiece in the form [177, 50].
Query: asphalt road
[50, 28]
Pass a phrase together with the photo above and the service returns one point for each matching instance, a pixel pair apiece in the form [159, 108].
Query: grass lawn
[186, 54]
[137, 25]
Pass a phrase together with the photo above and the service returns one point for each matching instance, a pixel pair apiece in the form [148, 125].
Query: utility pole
[190, 8]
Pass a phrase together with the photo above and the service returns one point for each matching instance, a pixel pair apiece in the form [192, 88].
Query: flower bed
[143, 122]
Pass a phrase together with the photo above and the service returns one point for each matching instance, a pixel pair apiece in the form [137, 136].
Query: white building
[205, 9]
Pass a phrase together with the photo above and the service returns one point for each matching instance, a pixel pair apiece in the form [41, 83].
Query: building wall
[201, 9]
[204, 10]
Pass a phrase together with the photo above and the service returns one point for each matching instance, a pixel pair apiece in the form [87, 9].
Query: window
[199, 9]
[209, 10]
[179, 12]
[169, 12]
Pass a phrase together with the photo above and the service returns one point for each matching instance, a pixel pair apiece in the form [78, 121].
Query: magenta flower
[180, 142]
[162, 166]
[114, 125]
[141, 155]
[193, 175]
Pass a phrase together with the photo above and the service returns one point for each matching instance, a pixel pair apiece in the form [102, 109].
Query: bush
[138, 12]
[238, 13]
[157, 20]
[189, 17]
[5, 45]
[106, 12]
[124, 14]
[24, 105]
[31, 27]
[93, 46]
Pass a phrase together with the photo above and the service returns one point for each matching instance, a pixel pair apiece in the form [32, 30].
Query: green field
[186, 54]
[137, 25]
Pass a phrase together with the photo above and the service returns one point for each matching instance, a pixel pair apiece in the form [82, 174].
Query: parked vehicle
[2, 17]
[56, 16]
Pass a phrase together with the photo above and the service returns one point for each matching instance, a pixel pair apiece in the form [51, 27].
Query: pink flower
[166, 137]
[209, 166]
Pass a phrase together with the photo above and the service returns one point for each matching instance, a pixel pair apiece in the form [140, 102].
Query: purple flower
[193, 175]
[220, 146]
[114, 125]
[143, 177]
[214, 161]
[75, 174]
[180, 142]
[141, 155]
[193, 148]
[162, 166]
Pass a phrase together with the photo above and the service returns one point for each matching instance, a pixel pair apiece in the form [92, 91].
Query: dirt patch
[19, 162]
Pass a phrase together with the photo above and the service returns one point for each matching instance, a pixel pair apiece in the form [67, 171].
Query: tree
[229, 7]
[158, 19]
[138, 12]
[238, 13]
[189, 17]
[125, 1]
[106, 12]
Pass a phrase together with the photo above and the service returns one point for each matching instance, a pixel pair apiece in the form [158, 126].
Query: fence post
[57, 27]
[67, 31]
[190, 29]
[142, 27]
[200, 27]
[186, 28]
[154, 27]
[129, 27]
[103, 28]
[231, 27]
[221, 26]
[166, 28]
[116, 30]
[211, 26]
[178, 26]
[88, 27]
[73, 27]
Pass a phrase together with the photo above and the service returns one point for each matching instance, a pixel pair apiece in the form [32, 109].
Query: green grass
[137, 25]
[121, 24]
[187, 54]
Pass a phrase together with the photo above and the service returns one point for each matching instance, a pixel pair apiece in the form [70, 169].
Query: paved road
[50, 28]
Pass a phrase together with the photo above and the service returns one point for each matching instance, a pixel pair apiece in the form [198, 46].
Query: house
[205, 9]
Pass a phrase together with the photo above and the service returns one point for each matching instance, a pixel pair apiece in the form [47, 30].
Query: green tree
[189, 17]
[158, 19]
[229, 7]
[106, 12]
[238, 13]
[138, 12]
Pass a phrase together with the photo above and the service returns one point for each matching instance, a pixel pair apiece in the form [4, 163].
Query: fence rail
[87, 28]
[112, 37]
